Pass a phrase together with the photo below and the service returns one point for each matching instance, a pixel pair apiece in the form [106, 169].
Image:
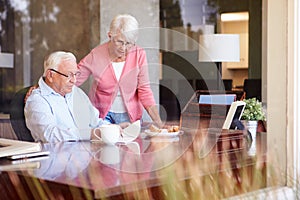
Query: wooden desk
[165, 167]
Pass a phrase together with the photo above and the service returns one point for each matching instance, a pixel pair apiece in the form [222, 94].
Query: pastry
[173, 129]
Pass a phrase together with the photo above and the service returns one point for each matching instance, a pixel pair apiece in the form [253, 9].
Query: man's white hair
[54, 60]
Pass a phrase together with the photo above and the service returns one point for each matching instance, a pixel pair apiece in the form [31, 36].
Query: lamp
[219, 48]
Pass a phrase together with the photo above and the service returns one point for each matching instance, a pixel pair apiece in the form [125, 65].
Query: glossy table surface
[148, 162]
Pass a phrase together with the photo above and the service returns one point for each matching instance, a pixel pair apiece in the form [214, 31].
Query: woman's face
[119, 46]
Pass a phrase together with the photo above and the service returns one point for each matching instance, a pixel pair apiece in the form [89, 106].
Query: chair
[17, 117]
[170, 108]
[185, 91]
[208, 84]
[227, 84]
[252, 88]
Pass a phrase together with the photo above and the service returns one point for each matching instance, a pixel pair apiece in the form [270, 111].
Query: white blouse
[118, 104]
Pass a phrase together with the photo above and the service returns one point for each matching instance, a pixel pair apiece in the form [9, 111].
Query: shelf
[237, 68]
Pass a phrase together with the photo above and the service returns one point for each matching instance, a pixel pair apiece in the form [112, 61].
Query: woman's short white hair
[53, 60]
[127, 25]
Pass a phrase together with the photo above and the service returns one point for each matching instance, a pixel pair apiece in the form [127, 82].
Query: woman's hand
[29, 92]
[153, 112]
[124, 124]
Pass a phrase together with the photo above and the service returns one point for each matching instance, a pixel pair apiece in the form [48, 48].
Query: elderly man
[58, 110]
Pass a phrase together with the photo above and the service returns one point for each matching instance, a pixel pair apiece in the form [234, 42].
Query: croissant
[173, 129]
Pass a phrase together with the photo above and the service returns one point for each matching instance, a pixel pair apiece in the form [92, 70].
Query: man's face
[63, 79]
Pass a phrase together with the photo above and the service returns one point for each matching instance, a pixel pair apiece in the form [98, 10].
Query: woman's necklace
[120, 59]
[115, 58]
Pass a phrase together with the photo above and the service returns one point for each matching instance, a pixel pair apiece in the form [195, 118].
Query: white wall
[277, 68]
[293, 91]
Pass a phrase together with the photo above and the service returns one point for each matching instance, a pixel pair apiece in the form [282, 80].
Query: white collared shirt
[52, 118]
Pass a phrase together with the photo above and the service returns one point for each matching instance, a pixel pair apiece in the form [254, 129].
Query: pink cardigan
[133, 84]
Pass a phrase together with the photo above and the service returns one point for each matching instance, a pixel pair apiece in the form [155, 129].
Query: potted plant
[253, 113]
[253, 110]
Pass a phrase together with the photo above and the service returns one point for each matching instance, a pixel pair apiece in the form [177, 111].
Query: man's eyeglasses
[70, 75]
[122, 43]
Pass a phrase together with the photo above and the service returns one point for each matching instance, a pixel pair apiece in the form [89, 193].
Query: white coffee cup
[109, 134]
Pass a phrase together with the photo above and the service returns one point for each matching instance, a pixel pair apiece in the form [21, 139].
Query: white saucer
[164, 133]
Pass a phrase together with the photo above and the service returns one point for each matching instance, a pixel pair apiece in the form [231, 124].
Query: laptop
[217, 99]
[234, 115]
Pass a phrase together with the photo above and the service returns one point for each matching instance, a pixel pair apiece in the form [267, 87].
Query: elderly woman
[121, 88]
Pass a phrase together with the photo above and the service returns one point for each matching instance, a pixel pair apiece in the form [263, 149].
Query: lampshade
[219, 48]
[6, 60]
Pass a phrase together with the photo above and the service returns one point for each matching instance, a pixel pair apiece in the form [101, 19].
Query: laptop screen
[234, 115]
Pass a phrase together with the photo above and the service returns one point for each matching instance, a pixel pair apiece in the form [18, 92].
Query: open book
[15, 147]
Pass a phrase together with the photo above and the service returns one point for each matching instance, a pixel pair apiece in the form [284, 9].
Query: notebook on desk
[10, 147]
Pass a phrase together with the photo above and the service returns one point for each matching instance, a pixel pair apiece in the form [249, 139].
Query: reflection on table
[192, 165]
